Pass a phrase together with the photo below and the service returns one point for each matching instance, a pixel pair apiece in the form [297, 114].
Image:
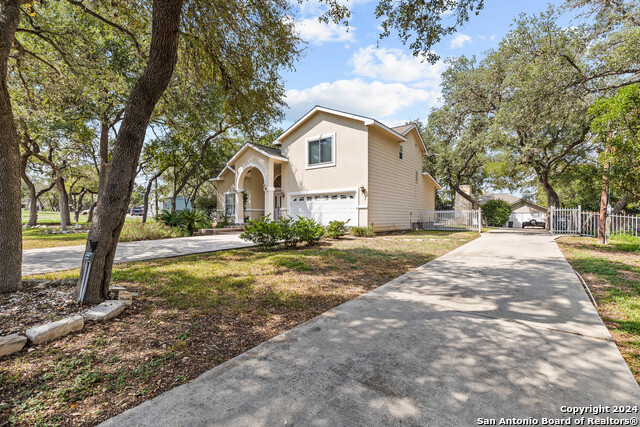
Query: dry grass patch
[193, 313]
[613, 275]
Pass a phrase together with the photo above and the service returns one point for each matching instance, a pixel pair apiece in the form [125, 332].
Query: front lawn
[193, 313]
[35, 238]
[613, 275]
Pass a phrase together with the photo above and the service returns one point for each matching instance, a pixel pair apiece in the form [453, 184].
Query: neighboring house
[521, 210]
[331, 165]
[181, 204]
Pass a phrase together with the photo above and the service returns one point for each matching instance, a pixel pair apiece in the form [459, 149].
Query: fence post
[551, 220]
[480, 221]
[580, 220]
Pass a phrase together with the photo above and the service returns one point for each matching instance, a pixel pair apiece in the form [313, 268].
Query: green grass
[206, 308]
[613, 274]
[35, 238]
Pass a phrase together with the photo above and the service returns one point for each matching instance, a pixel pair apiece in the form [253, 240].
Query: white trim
[224, 200]
[241, 150]
[217, 178]
[254, 210]
[245, 168]
[269, 188]
[367, 121]
[313, 192]
[362, 207]
[432, 179]
[347, 190]
[333, 151]
[413, 126]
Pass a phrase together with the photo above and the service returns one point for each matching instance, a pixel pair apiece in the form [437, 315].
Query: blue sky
[349, 72]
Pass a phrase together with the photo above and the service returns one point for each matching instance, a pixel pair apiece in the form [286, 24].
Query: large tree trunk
[604, 199]
[552, 196]
[63, 197]
[114, 197]
[10, 194]
[468, 197]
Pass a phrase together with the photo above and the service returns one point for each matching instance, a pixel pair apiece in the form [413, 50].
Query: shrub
[189, 219]
[192, 220]
[496, 212]
[307, 230]
[172, 219]
[337, 229]
[263, 232]
[151, 230]
[286, 232]
[363, 231]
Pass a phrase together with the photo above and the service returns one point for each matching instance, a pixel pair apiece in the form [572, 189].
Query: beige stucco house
[331, 165]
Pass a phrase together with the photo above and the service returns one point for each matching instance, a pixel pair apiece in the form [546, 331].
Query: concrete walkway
[37, 261]
[500, 327]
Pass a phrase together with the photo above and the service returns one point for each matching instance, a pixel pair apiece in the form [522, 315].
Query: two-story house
[331, 165]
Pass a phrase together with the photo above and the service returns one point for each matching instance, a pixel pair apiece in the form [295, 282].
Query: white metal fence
[575, 221]
[457, 220]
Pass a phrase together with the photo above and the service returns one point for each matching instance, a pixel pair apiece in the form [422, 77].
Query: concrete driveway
[499, 328]
[37, 261]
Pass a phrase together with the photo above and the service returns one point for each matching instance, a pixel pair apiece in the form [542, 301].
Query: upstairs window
[400, 152]
[321, 151]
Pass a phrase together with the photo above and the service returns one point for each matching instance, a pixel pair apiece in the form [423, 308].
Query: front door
[277, 200]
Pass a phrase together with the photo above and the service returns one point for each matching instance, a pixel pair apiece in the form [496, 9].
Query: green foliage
[151, 230]
[496, 212]
[263, 232]
[188, 219]
[617, 123]
[337, 229]
[307, 230]
[363, 231]
[172, 219]
[267, 233]
[192, 219]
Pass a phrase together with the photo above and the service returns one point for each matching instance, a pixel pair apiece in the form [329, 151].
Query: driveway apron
[499, 328]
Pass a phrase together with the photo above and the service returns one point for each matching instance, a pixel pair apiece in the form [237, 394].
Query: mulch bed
[38, 302]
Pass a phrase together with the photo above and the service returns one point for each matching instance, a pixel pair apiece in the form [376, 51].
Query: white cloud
[459, 40]
[395, 65]
[317, 32]
[376, 99]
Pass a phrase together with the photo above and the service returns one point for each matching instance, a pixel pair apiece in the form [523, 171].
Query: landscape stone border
[51, 331]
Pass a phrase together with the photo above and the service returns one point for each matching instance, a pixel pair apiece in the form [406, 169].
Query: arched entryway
[251, 189]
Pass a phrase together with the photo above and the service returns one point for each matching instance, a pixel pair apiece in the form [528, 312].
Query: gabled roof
[367, 121]
[405, 129]
[270, 152]
[509, 198]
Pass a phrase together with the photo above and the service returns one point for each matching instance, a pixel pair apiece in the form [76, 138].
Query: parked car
[137, 210]
[533, 223]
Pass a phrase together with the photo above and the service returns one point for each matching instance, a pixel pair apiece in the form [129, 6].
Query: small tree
[496, 212]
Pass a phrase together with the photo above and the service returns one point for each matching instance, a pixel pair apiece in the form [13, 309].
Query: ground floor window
[230, 204]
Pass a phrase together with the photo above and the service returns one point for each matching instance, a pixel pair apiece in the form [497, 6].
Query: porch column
[268, 201]
[268, 190]
[239, 210]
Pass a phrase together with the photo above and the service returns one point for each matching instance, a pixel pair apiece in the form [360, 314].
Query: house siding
[394, 196]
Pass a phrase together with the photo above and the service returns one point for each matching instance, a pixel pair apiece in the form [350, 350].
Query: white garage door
[326, 207]
[519, 218]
